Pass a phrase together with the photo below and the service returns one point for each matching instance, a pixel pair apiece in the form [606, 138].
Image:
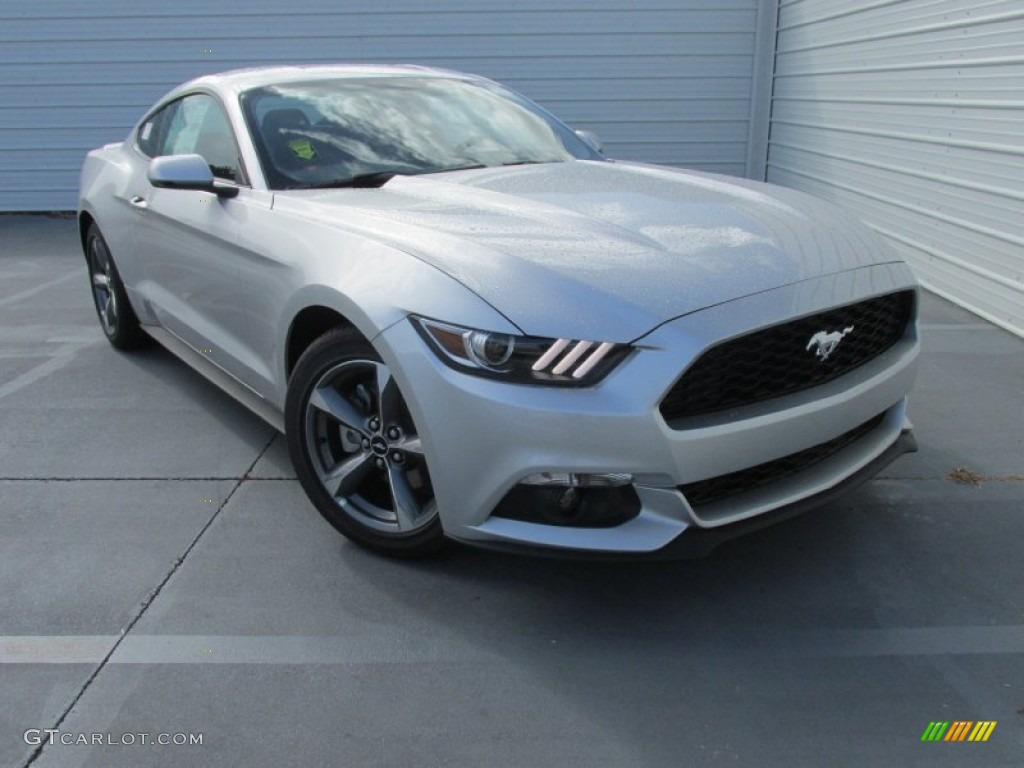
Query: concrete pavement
[162, 572]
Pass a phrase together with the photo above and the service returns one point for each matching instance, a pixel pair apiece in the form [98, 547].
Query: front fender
[381, 287]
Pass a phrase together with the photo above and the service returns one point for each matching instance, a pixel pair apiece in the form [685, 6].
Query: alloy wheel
[364, 448]
[101, 267]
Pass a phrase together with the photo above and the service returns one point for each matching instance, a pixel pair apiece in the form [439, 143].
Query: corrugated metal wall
[666, 81]
[911, 113]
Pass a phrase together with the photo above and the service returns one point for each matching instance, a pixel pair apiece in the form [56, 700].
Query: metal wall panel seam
[994, 61]
[980, 311]
[954, 103]
[762, 88]
[889, 200]
[902, 12]
[1012, 194]
[907, 32]
[1015, 285]
[848, 10]
[965, 144]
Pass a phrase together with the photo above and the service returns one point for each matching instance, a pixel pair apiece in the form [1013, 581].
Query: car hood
[601, 250]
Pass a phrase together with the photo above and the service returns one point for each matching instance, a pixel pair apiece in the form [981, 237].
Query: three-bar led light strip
[579, 349]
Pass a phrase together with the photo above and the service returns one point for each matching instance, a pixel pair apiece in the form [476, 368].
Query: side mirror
[187, 172]
[591, 140]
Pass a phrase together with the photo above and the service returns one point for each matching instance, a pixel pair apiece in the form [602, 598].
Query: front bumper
[482, 437]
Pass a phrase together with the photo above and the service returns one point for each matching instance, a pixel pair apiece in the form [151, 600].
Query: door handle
[139, 201]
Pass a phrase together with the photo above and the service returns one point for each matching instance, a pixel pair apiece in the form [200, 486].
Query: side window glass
[150, 137]
[146, 137]
[197, 125]
[216, 144]
[183, 128]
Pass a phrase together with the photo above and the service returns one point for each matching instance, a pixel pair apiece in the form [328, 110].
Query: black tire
[117, 318]
[357, 453]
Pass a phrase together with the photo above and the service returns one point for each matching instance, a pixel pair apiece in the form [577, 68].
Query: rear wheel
[117, 318]
[356, 450]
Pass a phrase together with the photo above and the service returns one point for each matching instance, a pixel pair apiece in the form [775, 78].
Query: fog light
[578, 480]
[575, 506]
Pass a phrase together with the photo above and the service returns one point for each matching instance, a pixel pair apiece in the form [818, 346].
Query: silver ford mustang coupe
[470, 324]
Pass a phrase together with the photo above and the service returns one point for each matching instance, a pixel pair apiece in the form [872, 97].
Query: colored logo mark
[959, 730]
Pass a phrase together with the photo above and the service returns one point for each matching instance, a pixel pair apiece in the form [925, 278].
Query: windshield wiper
[374, 179]
[483, 165]
[530, 162]
[446, 170]
[378, 178]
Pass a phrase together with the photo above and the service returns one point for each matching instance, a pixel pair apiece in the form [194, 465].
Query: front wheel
[117, 318]
[356, 450]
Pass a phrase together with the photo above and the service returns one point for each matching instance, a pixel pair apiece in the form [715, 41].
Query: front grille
[722, 487]
[776, 361]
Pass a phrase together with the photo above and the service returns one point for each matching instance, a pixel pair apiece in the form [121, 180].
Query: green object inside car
[302, 148]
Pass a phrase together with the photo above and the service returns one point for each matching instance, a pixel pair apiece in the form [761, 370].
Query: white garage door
[661, 80]
[911, 112]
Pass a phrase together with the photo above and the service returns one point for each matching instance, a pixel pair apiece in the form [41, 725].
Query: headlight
[524, 359]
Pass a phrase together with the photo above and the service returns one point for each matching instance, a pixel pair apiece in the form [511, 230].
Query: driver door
[187, 240]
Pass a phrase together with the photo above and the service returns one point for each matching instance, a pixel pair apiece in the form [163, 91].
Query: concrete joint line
[148, 600]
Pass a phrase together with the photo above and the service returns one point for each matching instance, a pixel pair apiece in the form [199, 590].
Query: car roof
[256, 77]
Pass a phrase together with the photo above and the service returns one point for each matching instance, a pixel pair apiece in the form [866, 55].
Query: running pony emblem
[824, 344]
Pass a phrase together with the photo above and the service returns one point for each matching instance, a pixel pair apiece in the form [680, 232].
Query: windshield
[338, 132]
